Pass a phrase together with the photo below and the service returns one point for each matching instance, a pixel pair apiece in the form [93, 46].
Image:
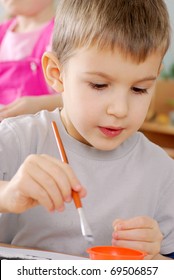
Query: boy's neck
[31, 23]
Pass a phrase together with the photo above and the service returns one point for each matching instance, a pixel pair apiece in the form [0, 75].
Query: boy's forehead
[107, 63]
[94, 53]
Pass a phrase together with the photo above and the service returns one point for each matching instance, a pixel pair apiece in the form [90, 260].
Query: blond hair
[136, 27]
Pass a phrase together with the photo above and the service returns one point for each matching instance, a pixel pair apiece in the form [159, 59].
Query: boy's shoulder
[30, 123]
[29, 134]
[153, 152]
[41, 116]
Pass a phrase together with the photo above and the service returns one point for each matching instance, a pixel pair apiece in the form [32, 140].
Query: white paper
[15, 253]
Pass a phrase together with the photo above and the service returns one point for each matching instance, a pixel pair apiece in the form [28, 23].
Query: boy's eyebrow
[149, 78]
[101, 74]
[104, 75]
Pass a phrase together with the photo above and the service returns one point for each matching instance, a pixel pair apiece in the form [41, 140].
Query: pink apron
[24, 77]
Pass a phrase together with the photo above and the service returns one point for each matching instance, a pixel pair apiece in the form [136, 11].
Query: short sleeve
[9, 151]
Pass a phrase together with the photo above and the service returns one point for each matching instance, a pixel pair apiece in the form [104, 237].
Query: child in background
[106, 59]
[23, 40]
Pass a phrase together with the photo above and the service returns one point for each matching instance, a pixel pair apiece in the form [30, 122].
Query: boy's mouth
[111, 132]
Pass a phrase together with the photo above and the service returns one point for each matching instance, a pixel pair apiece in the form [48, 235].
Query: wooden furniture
[161, 134]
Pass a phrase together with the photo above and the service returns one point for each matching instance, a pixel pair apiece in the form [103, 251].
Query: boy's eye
[98, 86]
[139, 90]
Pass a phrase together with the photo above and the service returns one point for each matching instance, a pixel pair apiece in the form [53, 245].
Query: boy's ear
[51, 69]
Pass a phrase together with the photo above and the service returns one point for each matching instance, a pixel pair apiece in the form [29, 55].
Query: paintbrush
[85, 228]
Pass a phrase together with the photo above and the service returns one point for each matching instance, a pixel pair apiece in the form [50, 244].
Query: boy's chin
[105, 146]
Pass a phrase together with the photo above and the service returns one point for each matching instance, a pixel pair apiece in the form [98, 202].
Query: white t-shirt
[135, 179]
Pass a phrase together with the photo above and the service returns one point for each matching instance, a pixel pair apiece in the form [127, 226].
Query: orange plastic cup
[114, 253]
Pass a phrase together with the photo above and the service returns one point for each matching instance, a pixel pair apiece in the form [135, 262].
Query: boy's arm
[141, 233]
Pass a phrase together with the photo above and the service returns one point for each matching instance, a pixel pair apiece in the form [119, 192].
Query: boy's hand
[139, 233]
[41, 180]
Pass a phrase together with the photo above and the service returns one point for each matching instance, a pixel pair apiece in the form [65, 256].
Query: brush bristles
[86, 230]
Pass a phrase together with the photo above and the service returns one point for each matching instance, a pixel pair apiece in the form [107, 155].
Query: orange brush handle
[76, 199]
[75, 195]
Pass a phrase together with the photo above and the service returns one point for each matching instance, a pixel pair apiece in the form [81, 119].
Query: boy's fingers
[141, 246]
[82, 192]
[47, 183]
[40, 196]
[147, 235]
[27, 196]
[149, 248]
[54, 177]
[58, 175]
[115, 222]
[74, 182]
[136, 222]
[43, 173]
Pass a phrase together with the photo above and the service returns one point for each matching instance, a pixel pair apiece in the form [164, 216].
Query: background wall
[169, 58]
[1, 12]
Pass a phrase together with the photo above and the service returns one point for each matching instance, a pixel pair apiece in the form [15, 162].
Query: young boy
[106, 60]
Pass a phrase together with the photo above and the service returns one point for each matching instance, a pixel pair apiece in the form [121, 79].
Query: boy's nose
[118, 105]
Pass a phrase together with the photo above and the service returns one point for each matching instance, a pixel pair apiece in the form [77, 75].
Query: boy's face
[106, 96]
